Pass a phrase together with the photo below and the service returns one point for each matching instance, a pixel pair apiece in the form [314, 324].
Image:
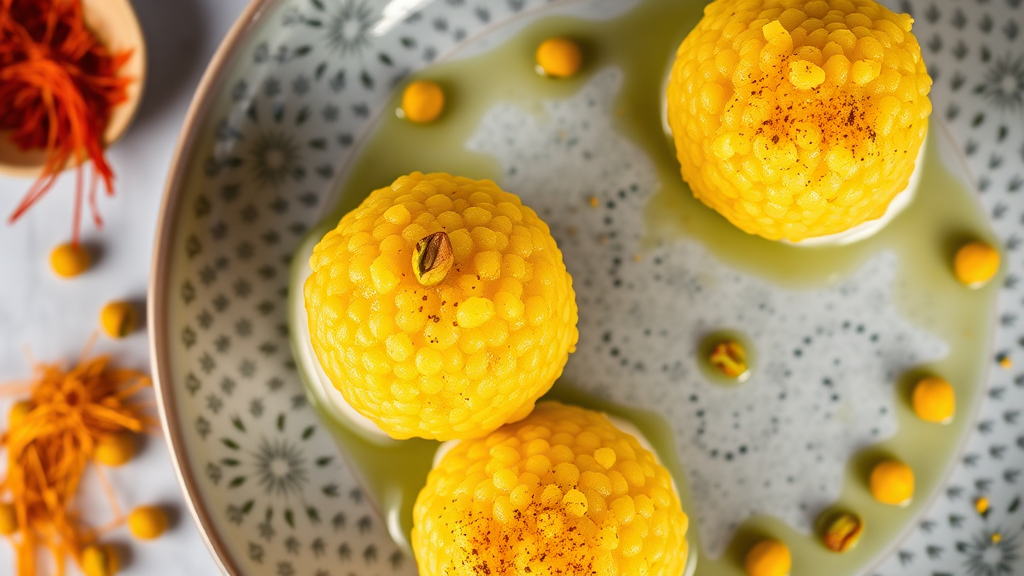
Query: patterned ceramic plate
[291, 126]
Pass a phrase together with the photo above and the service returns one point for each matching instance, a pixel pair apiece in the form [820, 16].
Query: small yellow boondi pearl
[118, 319]
[805, 75]
[423, 101]
[934, 400]
[147, 522]
[474, 312]
[769, 558]
[8, 519]
[69, 260]
[18, 413]
[115, 449]
[100, 561]
[774, 30]
[559, 57]
[975, 264]
[892, 482]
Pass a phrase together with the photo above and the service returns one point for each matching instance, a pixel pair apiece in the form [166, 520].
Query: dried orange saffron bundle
[58, 85]
[49, 448]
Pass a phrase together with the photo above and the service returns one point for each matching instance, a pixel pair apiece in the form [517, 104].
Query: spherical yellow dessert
[798, 119]
[562, 492]
[441, 308]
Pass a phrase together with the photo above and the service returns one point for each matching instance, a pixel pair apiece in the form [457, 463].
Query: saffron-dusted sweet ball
[441, 308]
[797, 119]
[564, 491]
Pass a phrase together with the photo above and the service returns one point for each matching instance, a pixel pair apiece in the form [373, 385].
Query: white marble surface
[53, 318]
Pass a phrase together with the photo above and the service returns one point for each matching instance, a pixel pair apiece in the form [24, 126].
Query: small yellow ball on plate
[147, 522]
[892, 482]
[934, 400]
[69, 260]
[559, 57]
[976, 263]
[119, 319]
[423, 102]
[115, 449]
[768, 558]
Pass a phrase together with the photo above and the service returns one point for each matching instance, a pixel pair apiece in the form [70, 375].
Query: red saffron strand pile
[58, 85]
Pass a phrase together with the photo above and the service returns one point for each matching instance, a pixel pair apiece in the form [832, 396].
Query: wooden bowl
[115, 25]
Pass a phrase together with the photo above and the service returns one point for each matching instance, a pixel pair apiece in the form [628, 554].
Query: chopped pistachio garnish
[432, 259]
[729, 358]
[843, 532]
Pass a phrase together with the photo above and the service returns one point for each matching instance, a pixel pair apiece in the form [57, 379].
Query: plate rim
[247, 23]
[203, 100]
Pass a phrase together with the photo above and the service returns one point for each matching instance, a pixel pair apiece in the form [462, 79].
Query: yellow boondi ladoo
[798, 119]
[441, 308]
[562, 492]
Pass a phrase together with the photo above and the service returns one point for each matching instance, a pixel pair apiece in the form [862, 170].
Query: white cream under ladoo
[865, 230]
[319, 383]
